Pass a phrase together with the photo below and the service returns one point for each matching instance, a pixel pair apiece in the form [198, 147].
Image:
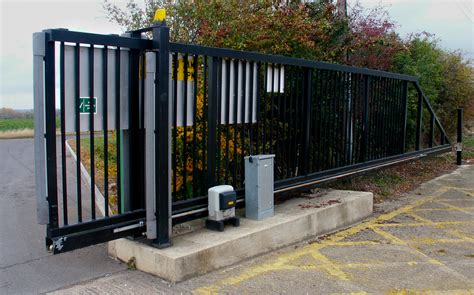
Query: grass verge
[19, 127]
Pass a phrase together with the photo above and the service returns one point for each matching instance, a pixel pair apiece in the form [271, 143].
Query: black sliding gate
[131, 132]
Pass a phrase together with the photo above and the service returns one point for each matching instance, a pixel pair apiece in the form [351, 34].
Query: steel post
[162, 137]
[459, 139]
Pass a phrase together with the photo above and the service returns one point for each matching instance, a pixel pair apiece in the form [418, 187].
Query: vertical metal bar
[419, 122]
[258, 108]
[370, 118]
[251, 86]
[185, 123]
[212, 120]
[306, 112]
[150, 148]
[298, 131]
[319, 114]
[333, 122]
[385, 121]
[459, 138]
[227, 119]
[380, 118]
[105, 122]
[135, 151]
[219, 119]
[405, 116]
[195, 95]
[264, 109]
[236, 83]
[346, 122]
[77, 87]
[39, 52]
[91, 127]
[204, 121]
[175, 65]
[289, 122]
[242, 130]
[63, 131]
[327, 119]
[118, 128]
[277, 123]
[51, 165]
[163, 140]
[339, 114]
[271, 106]
[432, 127]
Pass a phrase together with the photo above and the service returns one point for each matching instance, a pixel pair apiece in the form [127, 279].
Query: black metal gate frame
[167, 212]
[84, 233]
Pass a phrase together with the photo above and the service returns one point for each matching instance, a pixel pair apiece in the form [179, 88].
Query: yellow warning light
[160, 15]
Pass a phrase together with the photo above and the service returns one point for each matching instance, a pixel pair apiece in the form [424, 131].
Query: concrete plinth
[203, 251]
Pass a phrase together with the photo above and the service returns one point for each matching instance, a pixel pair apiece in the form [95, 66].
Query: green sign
[85, 105]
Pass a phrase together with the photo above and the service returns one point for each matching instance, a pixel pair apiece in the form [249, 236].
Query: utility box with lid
[259, 186]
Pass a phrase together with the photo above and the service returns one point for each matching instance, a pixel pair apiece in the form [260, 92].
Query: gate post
[459, 139]
[162, 132]
[39, 53]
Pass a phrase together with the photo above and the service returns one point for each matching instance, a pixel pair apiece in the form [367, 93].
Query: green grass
[468, 142]
[20, 123]
[16, 124]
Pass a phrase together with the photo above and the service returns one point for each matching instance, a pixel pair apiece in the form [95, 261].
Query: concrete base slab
[203, 251]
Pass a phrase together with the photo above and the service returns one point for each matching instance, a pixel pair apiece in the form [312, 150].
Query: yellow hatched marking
[393, 239]
[429, 241]
[441, 209]
[331, 267]
[313, 249]
[464, 190]
[456, 208]
[434, 223]
[420, 219]
[461, 235]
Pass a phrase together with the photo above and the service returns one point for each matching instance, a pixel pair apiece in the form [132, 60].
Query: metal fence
[320, 120]
[153, 124]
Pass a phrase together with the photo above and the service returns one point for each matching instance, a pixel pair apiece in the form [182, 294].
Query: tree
[374, 42]
[445, 77]
[289, 28]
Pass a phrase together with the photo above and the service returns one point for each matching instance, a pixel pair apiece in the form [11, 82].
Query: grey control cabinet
[259, 186]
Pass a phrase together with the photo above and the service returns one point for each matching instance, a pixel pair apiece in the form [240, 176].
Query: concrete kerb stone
[202, 251]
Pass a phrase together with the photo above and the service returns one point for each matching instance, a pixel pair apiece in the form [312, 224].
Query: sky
[450, 20]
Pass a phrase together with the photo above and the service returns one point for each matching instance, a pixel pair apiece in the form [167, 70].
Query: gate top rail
[64, 35]
[280, 59]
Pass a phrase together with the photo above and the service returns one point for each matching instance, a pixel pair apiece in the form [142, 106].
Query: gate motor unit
[222, 201]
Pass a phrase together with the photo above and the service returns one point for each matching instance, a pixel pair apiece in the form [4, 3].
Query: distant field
[16, 124]
[21, 126]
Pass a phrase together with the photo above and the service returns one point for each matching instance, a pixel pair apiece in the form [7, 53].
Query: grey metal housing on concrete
[259, 186]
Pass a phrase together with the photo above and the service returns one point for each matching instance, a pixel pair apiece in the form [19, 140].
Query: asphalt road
[25, 265]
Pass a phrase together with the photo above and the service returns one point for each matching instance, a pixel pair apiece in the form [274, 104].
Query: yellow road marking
[456, 208]
[441, 209]
[333, 267]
